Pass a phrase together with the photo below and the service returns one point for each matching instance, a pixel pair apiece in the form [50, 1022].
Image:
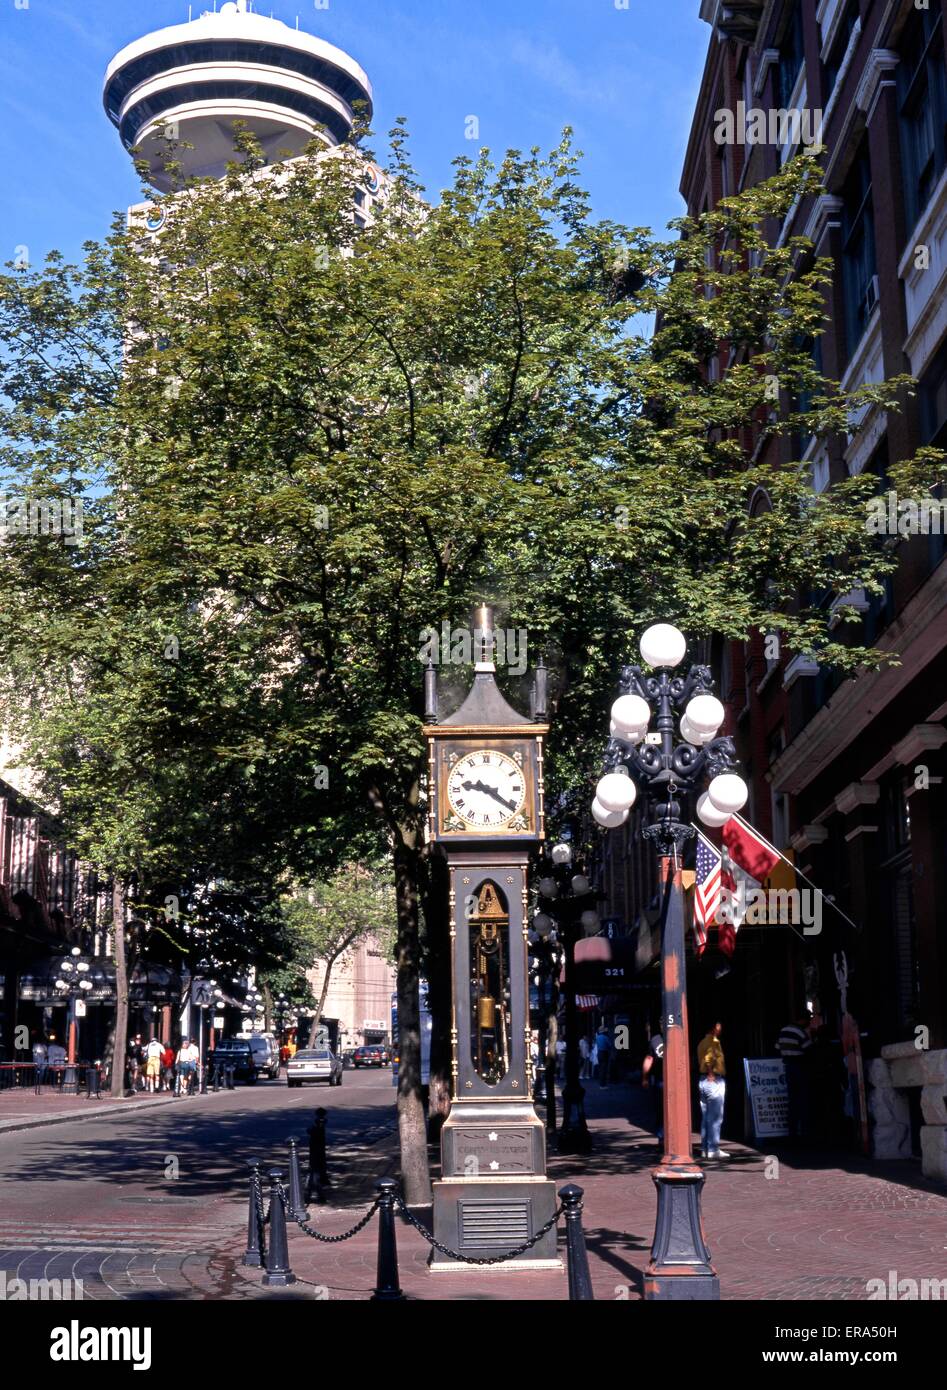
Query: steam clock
[485, 790]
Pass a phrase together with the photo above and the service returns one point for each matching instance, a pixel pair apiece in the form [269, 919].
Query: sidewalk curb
[113, 1111]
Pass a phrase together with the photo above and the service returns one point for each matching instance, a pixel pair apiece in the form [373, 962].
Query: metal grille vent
[493, 1225]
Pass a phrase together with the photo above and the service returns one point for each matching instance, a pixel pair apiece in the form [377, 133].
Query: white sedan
[314, 1064]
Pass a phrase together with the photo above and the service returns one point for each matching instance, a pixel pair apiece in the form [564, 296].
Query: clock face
[486, 789]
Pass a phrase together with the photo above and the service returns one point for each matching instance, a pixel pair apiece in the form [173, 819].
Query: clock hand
[490, 791]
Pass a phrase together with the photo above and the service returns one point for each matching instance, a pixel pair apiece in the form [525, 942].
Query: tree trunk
[323, 995]
[120, 1045]
[437, 971]
[412, 1129]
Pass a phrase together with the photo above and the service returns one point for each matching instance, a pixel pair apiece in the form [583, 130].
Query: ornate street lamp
[670, 772]
[569, 899]
[253, 1003]
[545, 964]
[75, 982]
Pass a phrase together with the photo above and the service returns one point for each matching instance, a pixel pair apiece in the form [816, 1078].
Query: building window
[835, 59]
[933, 399]
[802, 400]
[859, 265]
[922, 93]
[792, 55]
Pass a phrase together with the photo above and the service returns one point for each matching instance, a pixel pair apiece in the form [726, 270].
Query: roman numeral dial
[486, 789]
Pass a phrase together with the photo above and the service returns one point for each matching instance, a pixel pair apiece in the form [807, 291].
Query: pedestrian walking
[652, 1077]
[603, 1043]
[39, 1059]
[186, 1066]
[153, 1055]
[167, 1067]
[135, 1054]
[713, 1092]
[792, 1045]
[560, 1059]
[585, 1055]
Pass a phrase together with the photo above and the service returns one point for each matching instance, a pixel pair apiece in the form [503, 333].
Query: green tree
[328, 439]
[327, 918]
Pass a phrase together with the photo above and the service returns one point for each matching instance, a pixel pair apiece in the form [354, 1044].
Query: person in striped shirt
[792, 1045]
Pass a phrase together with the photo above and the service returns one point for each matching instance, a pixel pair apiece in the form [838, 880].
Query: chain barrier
[471, 1259]
[262, 1216]
[409, 1218]
[317, 1235]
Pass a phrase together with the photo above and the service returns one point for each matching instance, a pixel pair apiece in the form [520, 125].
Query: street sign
[80, 1008]
[202, 993]
[769, 1096]
[218, 1020]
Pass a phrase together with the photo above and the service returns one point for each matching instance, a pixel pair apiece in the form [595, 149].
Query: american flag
[707, 889]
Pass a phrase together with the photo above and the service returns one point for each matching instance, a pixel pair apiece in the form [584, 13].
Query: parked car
[314, 1064]
[348, 1057]
[372, 1056]
[252, 1057]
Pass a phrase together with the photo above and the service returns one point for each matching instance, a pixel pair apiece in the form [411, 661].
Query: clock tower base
[485, 1217]
[494, 1195]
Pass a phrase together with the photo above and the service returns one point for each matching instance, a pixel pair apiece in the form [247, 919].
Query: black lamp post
[545, 964]
[74, 980]
[669, 773]
[280, 1010]
[569, 899]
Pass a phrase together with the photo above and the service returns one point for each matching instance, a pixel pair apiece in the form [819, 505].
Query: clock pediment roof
[485, 707]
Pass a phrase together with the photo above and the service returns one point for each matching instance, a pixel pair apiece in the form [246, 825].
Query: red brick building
[849, 773]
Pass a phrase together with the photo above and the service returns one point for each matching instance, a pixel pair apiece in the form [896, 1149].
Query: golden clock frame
[447, 744]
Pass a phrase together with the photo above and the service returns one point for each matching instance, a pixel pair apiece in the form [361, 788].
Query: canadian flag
[748, 850]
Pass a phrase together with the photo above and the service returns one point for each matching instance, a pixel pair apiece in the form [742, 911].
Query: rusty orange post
[680, 1266]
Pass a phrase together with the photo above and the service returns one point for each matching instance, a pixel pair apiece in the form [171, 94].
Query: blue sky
[625, 79]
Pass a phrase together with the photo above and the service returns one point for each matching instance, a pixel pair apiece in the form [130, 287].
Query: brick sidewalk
[21, 1108]
[802, 1227]
[806, 1227]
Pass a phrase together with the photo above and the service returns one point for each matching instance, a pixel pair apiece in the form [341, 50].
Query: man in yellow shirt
[713, 1092]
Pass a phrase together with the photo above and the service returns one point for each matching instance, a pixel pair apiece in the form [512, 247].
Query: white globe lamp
[705, 714]
[590, 923]
[708, 813]
[616, 792]
[608, 820]
[729, 793]
[630, 717]
[663, 645]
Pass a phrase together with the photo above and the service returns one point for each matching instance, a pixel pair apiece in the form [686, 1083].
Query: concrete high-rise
[197, 78]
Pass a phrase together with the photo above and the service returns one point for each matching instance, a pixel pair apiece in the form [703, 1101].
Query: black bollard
[580, 1281]
[387, 1289]
[322, 1170]
[278, 1273]
[297, 1206]
[255, 1253]
[318, 1177]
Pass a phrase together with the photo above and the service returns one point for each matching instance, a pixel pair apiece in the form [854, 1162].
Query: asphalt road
[157, 1202]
